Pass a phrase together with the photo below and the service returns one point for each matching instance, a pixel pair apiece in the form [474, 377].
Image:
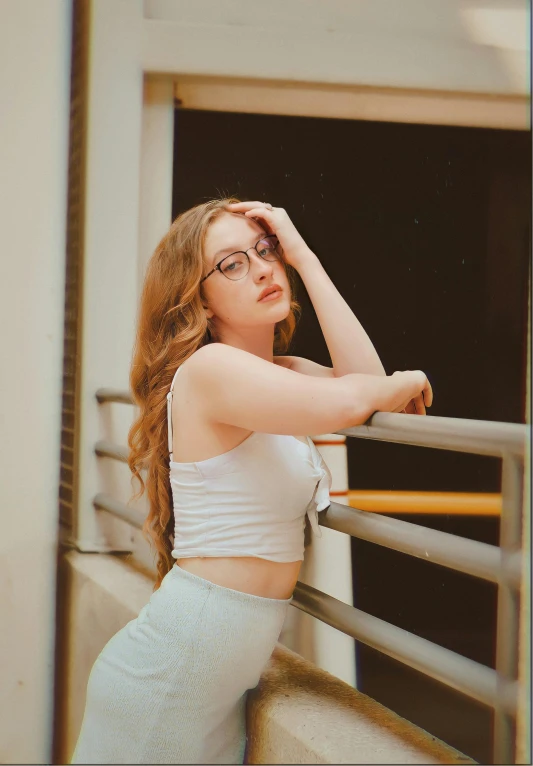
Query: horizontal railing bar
[458, 553]
[104, 395]
[103, 502]
[477, 437]
[426, 502]
[108, 449]
[459, 673]
[469, 556]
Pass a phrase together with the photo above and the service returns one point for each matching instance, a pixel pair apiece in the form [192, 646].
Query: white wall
[34, 106]
[467, 46]
[111, 253]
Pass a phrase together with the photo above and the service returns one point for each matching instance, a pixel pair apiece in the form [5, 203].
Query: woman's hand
[418, 404]
[410, 409]
[276, 221]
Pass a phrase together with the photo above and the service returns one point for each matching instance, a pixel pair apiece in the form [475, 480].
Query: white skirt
[171, 686]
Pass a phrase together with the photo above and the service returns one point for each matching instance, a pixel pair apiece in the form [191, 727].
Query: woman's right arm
[241, 389]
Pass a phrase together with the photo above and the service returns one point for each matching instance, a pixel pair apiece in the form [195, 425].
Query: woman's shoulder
[207, 351]
[221, 353]
[304, 366]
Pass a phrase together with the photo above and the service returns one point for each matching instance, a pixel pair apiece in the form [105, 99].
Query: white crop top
[249, 501]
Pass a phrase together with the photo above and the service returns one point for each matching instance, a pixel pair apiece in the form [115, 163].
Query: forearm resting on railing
[383, 393]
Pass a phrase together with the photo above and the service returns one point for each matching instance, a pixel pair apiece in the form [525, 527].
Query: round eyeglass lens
[267, 248]
[235, 266]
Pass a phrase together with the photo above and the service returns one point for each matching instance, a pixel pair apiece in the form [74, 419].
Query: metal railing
[499, 564]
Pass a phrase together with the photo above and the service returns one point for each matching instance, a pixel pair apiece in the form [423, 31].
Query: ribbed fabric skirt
[171, 686]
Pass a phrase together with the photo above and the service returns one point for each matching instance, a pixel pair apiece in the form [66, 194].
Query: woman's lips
[271, 296]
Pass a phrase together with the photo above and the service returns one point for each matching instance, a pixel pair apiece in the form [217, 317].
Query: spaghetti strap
[174, 379]
[169, 412]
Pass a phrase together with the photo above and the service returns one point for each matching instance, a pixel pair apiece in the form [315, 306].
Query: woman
[228, 510]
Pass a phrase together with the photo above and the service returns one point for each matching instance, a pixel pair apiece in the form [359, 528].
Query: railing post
[508, 605]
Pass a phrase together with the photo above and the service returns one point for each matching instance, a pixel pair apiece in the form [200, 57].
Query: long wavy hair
[172, 325]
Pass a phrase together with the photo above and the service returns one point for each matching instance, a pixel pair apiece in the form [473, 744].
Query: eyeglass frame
[253, 247]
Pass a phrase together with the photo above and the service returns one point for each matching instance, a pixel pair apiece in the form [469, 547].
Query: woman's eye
[266, 248]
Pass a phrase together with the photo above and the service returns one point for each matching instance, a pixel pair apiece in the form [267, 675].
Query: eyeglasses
[237, 265]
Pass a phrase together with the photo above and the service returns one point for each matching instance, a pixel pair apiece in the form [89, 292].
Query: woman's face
[235, 302]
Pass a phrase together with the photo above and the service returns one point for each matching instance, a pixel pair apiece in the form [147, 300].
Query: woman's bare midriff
[269, 579]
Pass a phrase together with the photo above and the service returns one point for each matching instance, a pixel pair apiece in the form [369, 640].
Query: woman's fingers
[419, 404]
[428, 394]
[243, 206]
[265, 215]
[406, 407]
[260, 212]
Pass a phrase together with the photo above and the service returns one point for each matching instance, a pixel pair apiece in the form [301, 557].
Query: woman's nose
[261, 265]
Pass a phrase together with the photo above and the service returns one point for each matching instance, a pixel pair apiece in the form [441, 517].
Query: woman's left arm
[350, 348]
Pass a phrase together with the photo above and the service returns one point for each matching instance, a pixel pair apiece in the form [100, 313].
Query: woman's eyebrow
[236, 248]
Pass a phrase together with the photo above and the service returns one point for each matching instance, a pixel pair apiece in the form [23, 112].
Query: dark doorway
[425, 231]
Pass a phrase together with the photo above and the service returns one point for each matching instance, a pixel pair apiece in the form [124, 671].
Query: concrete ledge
[300, 713]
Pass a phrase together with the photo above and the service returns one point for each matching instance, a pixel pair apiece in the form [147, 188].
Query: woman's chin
[281, 310]
[280, 304]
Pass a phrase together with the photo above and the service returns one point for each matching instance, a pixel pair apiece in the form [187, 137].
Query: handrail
[477, 437]
[118, 395]
[426, 502]
[104, 448]
[454, 670]
[459, 553]
[103, 502]
[500, 564]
